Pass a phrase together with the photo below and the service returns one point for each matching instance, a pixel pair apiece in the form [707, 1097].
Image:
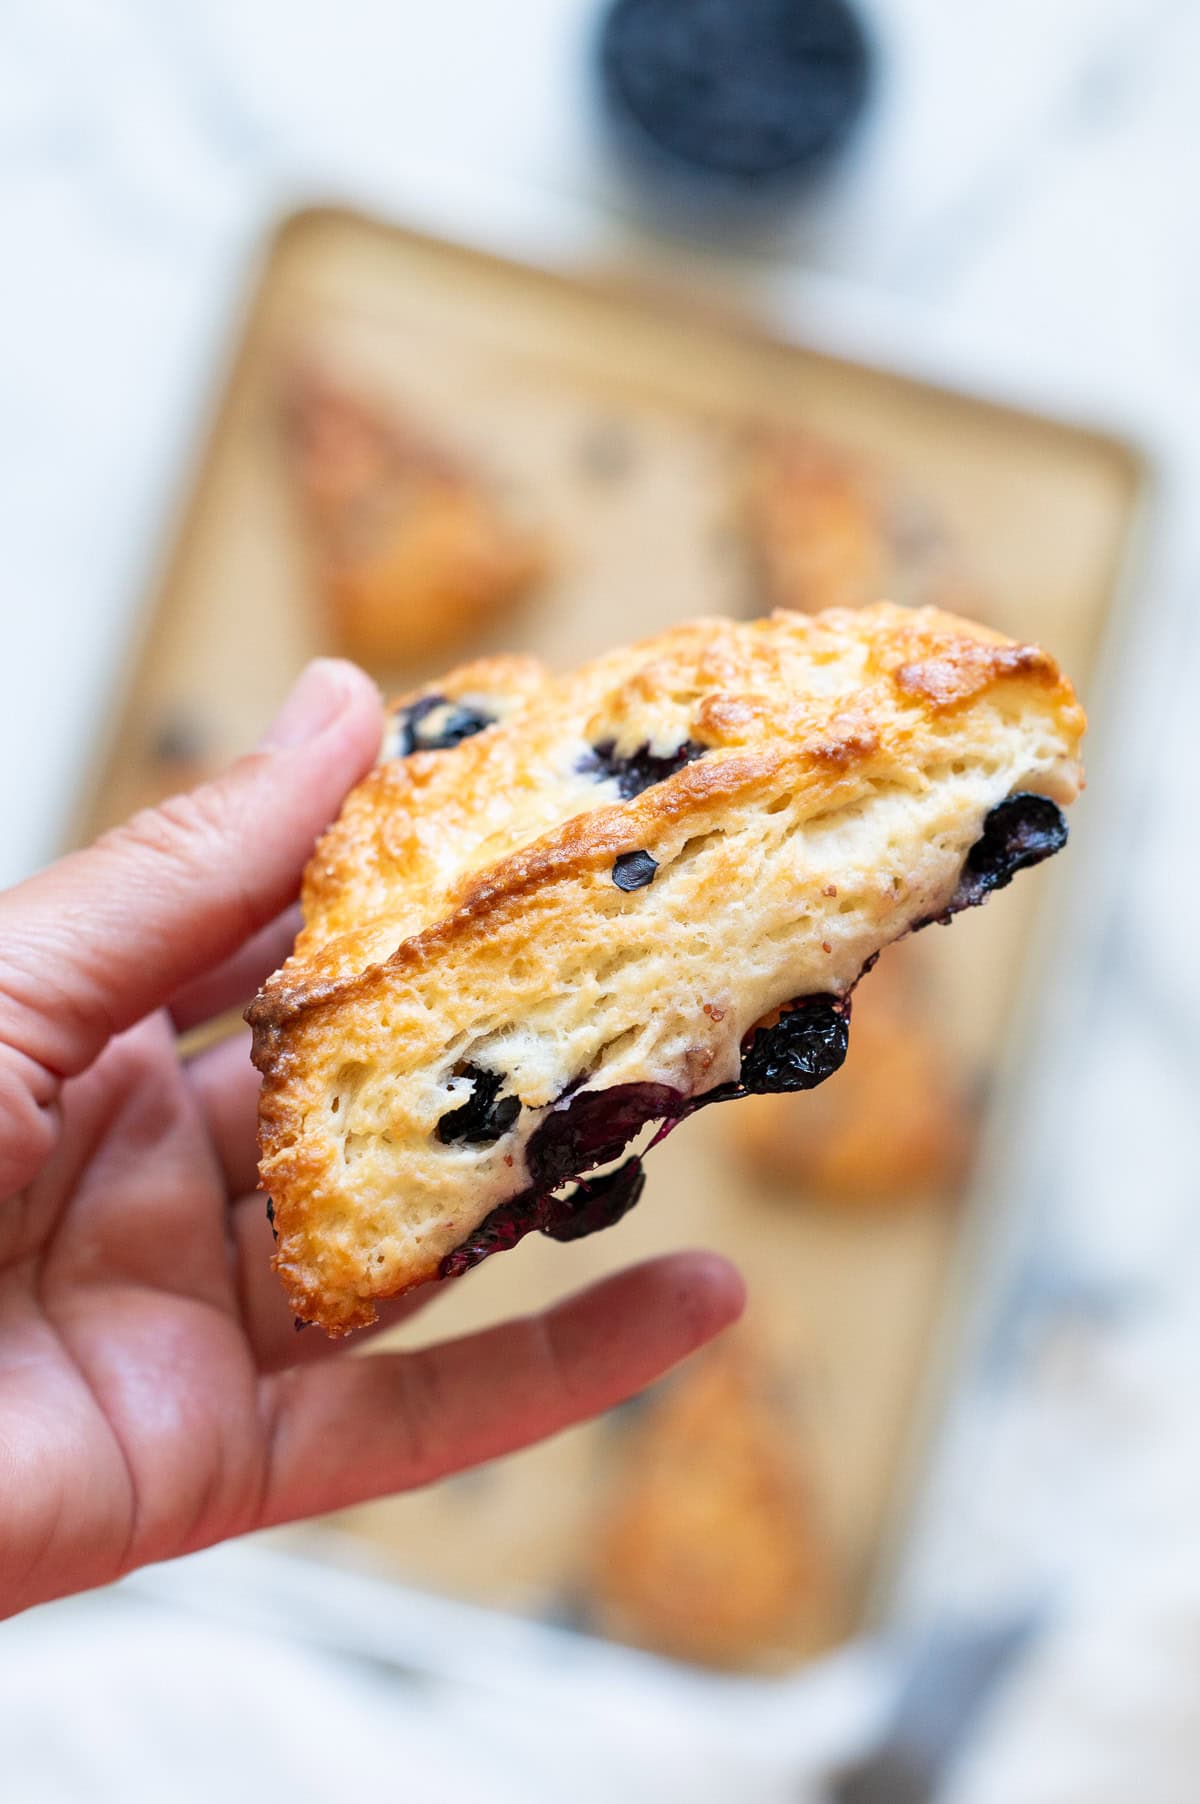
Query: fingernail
[317, 698]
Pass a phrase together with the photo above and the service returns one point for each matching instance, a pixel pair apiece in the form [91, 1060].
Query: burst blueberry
[806, 1045]
[1019, 832]
[641, 769]
[485, 1116]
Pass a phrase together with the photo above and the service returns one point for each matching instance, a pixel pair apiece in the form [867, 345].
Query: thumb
[104, 936]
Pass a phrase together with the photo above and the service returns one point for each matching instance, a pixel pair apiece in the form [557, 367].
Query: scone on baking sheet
[710, 1545]
[412, 548]
[893, 1126]
[562, 907]
[826, 529]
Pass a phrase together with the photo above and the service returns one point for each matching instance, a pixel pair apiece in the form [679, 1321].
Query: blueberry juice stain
[589, 1128]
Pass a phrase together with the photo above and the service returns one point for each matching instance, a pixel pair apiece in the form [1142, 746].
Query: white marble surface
[1015, 214]
[1019, 216]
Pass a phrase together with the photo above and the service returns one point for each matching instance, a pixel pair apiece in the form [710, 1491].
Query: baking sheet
[524, 369]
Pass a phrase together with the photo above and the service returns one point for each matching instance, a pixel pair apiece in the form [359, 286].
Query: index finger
[106, 935]
[345, 1430]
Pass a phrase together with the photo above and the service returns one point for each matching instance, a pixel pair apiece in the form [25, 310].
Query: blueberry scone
[563, 907]
[412, 547]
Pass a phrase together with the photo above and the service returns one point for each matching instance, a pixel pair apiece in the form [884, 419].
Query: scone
[413, 549]
[710, 1546]
[562, 907]
[893, 1126]
[825, 529]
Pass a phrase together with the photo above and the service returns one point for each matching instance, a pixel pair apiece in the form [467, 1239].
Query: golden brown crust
[935, 660]
[463, 911]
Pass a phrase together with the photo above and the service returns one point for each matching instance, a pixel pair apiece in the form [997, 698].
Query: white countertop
[1020, 215]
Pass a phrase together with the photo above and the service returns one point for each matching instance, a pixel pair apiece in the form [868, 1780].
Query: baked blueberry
[485, 1115]
[434, 724]
[588, 1206]
[1019, 832]
[642, 769]
[591, 1127]
[596, 1203]
[801, 1049]
[634, 870]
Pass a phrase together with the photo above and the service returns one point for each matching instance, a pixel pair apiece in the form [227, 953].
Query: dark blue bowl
[731, 99]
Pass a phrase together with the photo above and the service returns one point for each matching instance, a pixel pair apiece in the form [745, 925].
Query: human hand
[153, 1395]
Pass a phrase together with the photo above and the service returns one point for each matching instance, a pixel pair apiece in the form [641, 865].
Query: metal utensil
[953, 1671]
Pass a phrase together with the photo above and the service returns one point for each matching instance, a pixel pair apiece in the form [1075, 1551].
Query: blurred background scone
[710, 1545]
[827, 529]
[412, 547]
[894, 1125]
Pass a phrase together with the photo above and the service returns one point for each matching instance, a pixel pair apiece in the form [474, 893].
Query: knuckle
[27, 1127]
[181, 831]
[192, 843]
